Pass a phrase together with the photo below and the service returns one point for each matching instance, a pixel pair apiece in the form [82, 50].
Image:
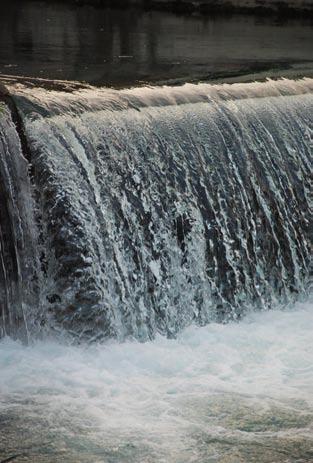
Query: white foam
[141, 390]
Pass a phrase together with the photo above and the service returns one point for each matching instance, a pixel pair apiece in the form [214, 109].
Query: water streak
[17, 234]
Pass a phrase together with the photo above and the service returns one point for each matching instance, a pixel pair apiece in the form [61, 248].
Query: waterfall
[154, 208]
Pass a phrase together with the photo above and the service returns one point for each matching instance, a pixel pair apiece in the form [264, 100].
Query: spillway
[144, 211]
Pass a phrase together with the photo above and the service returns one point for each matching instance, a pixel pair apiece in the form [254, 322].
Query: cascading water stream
[161, 207]
[17, 235]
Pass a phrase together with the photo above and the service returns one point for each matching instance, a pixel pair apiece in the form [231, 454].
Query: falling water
[17, 234]
[157, 208]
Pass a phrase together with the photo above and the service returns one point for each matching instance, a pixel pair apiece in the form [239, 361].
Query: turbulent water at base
[157, 208]
[223, 393]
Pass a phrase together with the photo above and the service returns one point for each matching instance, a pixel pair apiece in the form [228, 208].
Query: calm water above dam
[115, 47]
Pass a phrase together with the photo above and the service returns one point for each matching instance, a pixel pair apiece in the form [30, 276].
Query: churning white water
[240, 392]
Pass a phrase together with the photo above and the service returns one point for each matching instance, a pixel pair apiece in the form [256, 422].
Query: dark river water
[121, 47]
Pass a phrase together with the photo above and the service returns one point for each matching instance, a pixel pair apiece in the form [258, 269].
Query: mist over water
[241, 392]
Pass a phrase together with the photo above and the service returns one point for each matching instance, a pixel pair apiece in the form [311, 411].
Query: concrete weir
[153, 208]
